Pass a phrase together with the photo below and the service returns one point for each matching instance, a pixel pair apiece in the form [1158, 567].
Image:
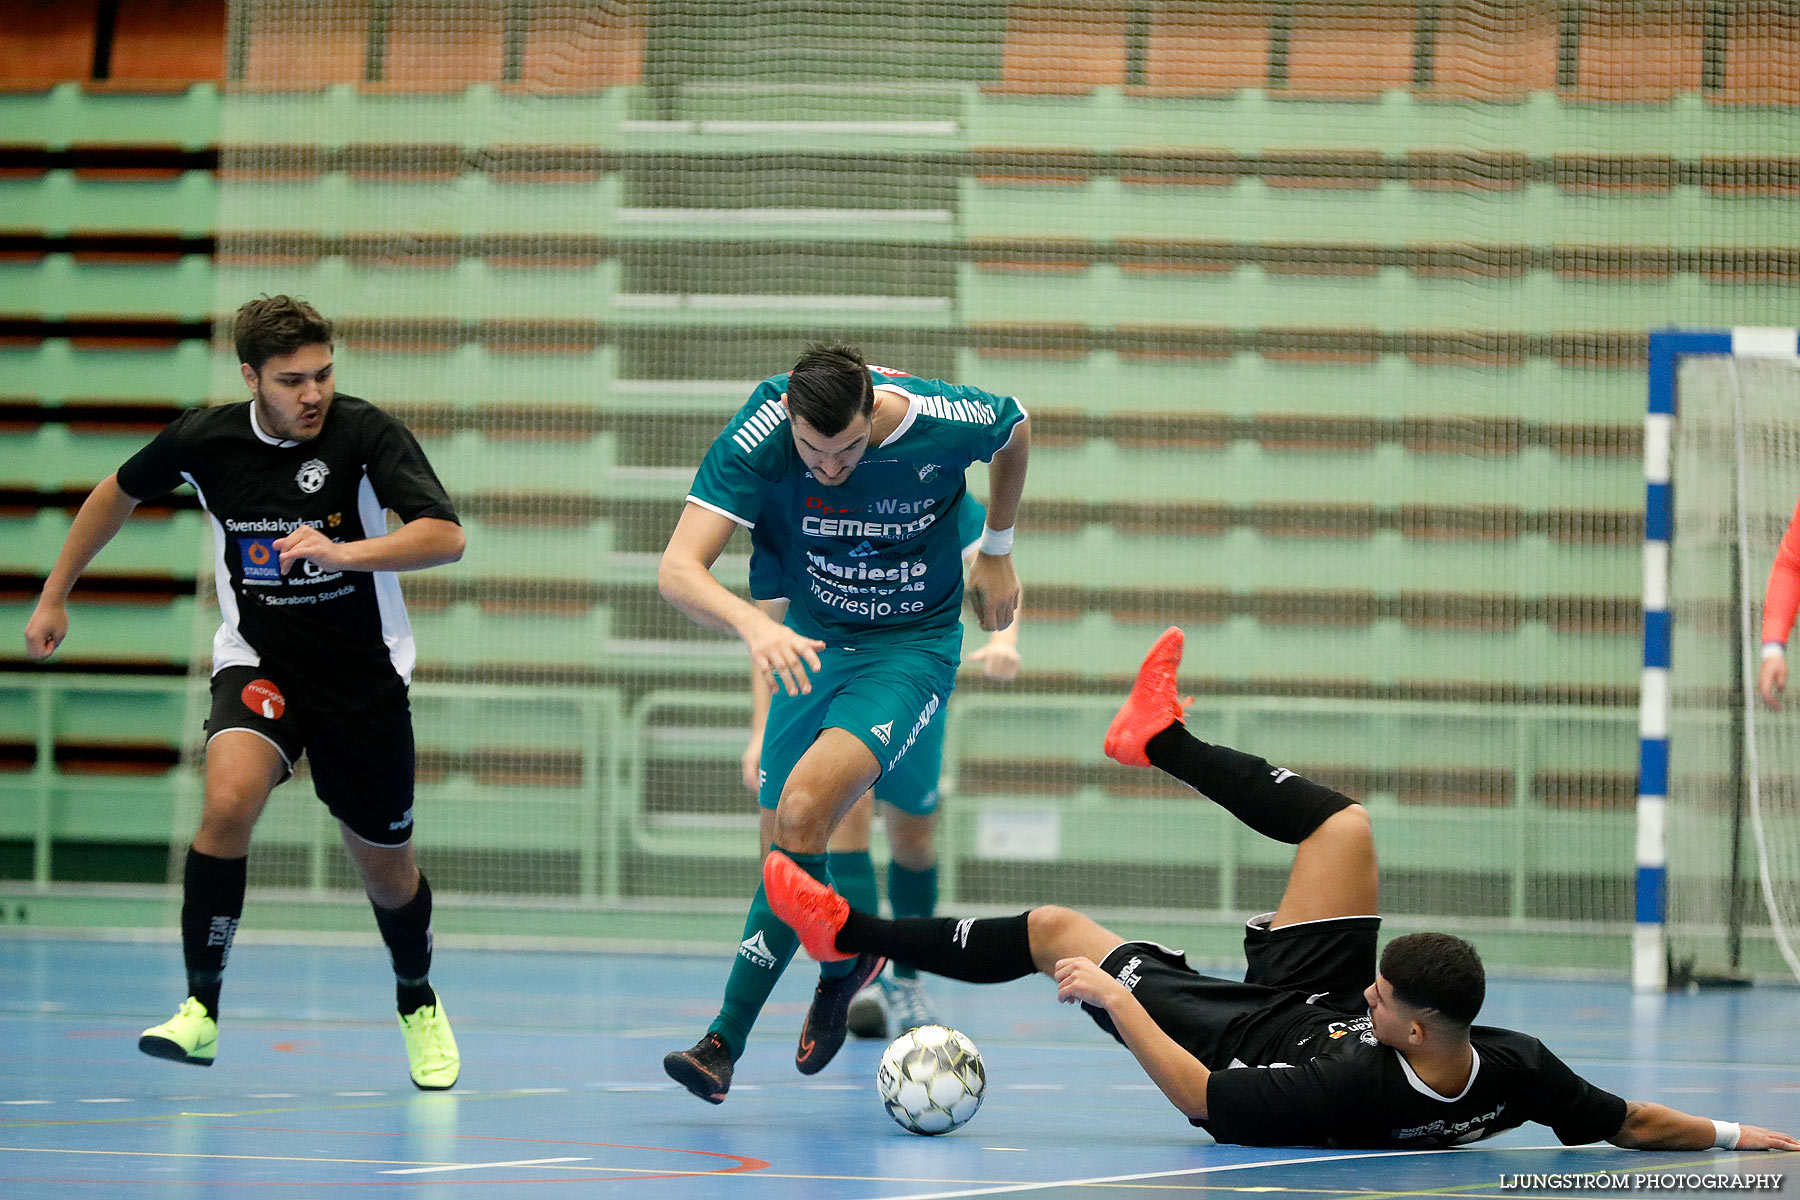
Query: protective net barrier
[1733, 810]
[1330, 319]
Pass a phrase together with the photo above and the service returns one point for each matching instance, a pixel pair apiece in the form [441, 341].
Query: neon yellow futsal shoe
[431, 1048]
[190, 1036]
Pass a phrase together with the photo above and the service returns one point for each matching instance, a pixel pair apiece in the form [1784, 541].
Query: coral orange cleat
[811, 909]
[1153, 705]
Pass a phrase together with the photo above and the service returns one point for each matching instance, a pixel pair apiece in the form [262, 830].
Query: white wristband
[997, 541]
[1726, 1134]
[1774, 650]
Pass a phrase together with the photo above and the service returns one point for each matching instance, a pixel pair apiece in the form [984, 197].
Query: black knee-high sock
[407, 932]
[212, 903]
[985, 950]
[1273, 801]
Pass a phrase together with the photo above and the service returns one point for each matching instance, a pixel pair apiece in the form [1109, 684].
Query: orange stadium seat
[1762, 54]
[1350, 50]
[303, 49]
[45, 42]
[168, 43]
[1207, 51]
[1639, 54]
[1485, 52]
[433, 47]
[582, 49]
[1048, 51]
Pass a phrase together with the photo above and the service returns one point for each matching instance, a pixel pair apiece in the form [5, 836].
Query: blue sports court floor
[563, 1093]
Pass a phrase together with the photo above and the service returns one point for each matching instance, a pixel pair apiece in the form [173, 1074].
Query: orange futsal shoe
[811, 909]
[1152, 706]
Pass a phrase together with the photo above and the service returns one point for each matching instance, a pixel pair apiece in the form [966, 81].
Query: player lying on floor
[1316, 1046]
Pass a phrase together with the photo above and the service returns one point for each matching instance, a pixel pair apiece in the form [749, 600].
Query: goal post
[1721, 476]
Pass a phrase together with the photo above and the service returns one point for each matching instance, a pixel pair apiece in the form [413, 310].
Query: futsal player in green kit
[896, 1001]
[853, 475]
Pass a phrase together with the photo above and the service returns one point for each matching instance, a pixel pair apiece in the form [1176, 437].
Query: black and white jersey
[1311, 1077]
[341, 638]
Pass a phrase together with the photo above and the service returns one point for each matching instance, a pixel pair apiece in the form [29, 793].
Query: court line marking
[517, 1162]
[1216, 1169]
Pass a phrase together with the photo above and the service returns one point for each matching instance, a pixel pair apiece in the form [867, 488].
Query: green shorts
[890, 697]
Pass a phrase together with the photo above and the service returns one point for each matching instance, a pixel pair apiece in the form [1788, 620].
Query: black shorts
[1324, 964]
[362, 761]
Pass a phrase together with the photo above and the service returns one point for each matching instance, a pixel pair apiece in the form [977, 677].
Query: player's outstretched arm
[1652, 1126]
[102, 515]
[1180, 1075]
[684, 577]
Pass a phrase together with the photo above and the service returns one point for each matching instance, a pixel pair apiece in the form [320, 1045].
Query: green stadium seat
[61, 202]
[57, 369]
[67, 115]
[61, 285]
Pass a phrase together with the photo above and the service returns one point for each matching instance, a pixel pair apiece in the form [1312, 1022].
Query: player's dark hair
[1436, 971]
[830, 387]
[271, 326]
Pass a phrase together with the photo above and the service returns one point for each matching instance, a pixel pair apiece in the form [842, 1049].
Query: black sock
[407, 932]
[212, 903]
[985, 950]
[1275, 802]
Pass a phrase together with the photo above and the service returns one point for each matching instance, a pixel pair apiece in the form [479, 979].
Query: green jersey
[878, 558]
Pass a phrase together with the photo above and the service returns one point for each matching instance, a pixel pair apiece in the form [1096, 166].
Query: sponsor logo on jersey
[1281, 775]
[334, 520]
[884, 731]
[926, 471]
[311, 475]
[260, 561]
[757, 950]
[863, 550]
[263, 698]
[850, 527]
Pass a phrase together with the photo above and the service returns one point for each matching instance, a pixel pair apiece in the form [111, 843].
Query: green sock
[911, 894]
[853, 875]
[761, 958]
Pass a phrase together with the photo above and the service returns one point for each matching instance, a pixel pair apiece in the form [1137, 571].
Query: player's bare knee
[1347, 826]
[1057, 932]
[803, 822]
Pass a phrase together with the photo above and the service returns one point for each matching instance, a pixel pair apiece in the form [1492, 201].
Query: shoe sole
[690, 1075]
[1122, 744]
[436, 1087]
[161, 1047]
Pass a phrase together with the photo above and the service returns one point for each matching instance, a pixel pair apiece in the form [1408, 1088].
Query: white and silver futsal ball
[931, 1079]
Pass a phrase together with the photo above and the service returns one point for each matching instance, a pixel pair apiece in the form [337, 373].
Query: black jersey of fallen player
[341, 639]
[1311, 1077]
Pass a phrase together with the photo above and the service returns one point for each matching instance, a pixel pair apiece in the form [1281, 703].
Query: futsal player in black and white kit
[314, 654]
[1319, 1045]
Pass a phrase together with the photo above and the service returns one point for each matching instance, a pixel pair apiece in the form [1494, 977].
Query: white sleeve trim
[728, 515]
